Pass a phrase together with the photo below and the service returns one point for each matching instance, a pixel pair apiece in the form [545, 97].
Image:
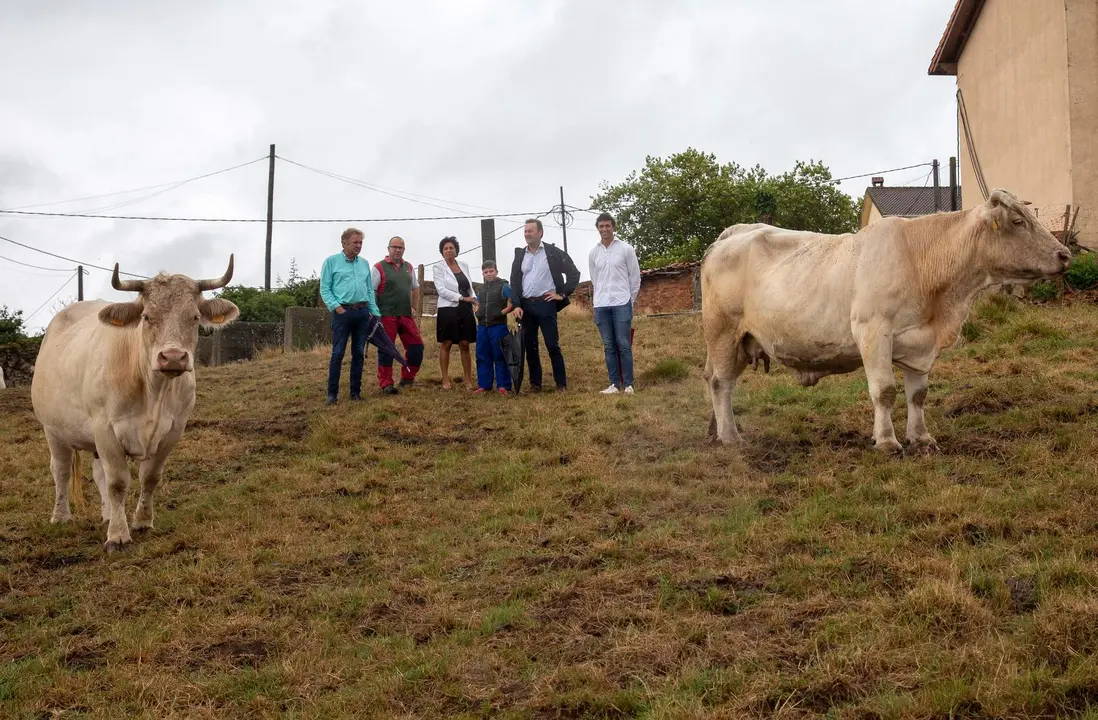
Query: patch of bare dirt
[293, 425]
[237, 652]
[773, 454]
[86, 654]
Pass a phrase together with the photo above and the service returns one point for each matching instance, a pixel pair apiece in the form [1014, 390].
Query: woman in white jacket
[455, 321]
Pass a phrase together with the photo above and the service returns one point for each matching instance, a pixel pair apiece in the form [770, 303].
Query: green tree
[11, 325]
[673, 209]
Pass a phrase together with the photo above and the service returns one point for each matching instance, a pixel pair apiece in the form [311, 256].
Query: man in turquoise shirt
[348, 291]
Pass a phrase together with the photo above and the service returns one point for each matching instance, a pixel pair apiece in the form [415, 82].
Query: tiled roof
[956, 34]
[672, 269]
[909, 201]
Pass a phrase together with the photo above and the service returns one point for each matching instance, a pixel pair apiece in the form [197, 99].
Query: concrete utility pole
[937, 185]
[270, 219]
[80, 282]
[953, 184]
[488, 238]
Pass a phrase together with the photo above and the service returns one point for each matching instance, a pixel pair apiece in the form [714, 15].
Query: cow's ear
[121, 314]
[217, 312]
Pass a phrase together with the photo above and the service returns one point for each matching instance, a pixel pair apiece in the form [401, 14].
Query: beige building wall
[1013, 76]
[870, 213]
[1082, 64]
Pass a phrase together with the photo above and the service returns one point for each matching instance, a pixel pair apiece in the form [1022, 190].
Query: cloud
[487, 102]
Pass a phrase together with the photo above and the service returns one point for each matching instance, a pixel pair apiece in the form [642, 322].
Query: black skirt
[456, 324]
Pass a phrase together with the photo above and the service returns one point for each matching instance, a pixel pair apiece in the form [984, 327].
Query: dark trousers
[538, 314]
[348, 324]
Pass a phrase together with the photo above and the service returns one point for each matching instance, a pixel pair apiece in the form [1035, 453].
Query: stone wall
[17, 359]
[240, 341]
[306, 327]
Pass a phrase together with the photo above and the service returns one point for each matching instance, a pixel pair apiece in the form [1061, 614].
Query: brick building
[667, 289]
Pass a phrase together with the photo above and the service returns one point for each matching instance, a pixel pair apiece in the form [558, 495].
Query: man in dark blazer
[543, 277]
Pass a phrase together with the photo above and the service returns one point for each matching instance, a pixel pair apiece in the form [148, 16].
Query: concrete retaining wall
[306, 327]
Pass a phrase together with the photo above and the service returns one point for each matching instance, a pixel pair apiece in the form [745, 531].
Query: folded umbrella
[376, 336]
[511, 344]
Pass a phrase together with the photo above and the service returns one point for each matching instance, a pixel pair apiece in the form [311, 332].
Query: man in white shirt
[615, 283]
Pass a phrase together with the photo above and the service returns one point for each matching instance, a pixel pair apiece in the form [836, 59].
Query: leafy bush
[1044, 290]
[1083, 273]
[258, 305]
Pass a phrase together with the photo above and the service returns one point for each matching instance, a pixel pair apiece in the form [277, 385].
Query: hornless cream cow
[894, 293]
[117, 379]
[2, 385]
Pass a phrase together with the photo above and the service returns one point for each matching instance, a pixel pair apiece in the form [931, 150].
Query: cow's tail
[76, 489]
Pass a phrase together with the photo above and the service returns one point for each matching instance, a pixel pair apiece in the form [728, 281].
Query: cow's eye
[1019, 221]
[145, 317]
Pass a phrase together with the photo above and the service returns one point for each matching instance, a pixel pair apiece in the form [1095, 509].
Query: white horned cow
[117, 380]
[894, 293]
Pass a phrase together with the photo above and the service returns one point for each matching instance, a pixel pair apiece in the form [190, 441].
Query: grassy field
[436, 554]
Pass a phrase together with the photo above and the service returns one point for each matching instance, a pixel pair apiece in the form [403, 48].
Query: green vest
[394, 292]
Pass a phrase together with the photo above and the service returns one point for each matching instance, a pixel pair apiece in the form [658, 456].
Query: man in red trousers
[396, 289]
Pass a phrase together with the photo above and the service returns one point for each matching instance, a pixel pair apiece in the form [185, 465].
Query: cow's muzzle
[173, 362]
[1064, 256]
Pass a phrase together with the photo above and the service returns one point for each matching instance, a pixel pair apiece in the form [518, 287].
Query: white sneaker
[612, 390]
[629, 390]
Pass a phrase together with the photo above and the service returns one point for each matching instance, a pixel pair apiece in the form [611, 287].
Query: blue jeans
[490, 363]
[538, 314]
[614, 324]
[348, 324]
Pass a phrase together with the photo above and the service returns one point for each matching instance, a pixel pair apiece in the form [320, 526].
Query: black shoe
[356, 398]
[330, 401]
[406, 383]
[535, 388]
[390, 390]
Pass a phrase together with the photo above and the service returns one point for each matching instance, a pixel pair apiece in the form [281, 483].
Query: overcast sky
[490, 103]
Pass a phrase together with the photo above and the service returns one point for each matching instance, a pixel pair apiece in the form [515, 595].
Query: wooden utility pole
[270, 219]
[80, 282]
[563, 220]
[937, 186]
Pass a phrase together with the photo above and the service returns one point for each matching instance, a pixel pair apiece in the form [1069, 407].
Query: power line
[51, 297]
[878, 172]
[478, 247]
[36, 267]
[263, 220]
[68, 259]
[170, 186]
[400, 194]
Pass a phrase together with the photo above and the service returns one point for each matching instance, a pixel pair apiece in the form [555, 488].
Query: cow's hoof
[113, 546]
[923, 446]
[892, 448]
[58, 519]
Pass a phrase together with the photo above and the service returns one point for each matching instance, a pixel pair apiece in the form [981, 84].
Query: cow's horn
[221, 281]
[132, 285]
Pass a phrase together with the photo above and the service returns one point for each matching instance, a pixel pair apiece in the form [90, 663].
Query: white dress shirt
[536, 278]
[615, 274]
[446, 284]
